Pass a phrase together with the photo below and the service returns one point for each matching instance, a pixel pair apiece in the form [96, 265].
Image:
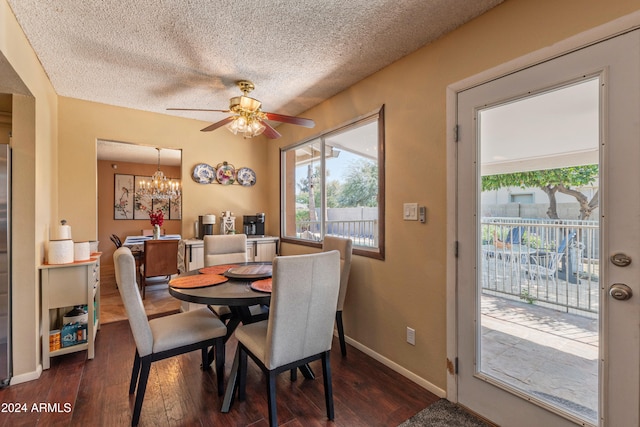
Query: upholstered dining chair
[345, 247]
[166, 336]
[116, 240]
[300, 324]
[160, 261]
[224, 249]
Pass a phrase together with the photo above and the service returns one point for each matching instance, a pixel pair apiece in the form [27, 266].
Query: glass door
[544, 327]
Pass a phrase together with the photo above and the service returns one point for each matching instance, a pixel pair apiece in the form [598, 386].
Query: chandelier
[160, 187]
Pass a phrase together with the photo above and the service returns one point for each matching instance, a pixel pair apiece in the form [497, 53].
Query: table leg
[232, 383]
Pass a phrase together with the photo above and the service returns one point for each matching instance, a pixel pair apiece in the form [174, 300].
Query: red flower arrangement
[157, 218]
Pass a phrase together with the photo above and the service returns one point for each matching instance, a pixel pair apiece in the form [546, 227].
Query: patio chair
[504, 250]
[514, 236]
[546, 263]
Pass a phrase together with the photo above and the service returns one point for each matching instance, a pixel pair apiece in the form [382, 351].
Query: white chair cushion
[186, 328]
[221, 310]
[254, 337]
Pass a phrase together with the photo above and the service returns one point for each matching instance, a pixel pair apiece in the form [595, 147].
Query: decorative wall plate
[226, 173]
[204, 173]
[246, 177]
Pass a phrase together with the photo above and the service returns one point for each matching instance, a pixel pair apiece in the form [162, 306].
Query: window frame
[375, 253]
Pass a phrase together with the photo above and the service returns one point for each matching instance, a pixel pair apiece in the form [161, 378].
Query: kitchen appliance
[205, 225]
[253, 225]
[5, 262]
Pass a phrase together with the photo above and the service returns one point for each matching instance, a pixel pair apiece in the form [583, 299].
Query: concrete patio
[552, 356]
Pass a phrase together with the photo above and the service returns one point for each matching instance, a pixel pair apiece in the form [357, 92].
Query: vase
[156, 232]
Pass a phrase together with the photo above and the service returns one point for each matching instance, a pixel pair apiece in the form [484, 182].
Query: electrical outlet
[411, 336]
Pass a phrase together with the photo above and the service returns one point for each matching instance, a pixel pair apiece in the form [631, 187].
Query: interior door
[517, 366]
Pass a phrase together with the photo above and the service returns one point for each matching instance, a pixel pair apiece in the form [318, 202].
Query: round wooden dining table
[235, 292]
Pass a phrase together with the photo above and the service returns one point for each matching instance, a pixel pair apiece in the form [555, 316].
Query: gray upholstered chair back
[345, 247]
[302, 310]
[225, 248]
[125, 269]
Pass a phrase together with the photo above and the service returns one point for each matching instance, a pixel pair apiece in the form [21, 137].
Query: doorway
[117, 159]
[541, 340]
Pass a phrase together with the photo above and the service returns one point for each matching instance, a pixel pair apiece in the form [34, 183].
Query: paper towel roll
[81, 251]
[61, 232]
[60, 252]
[209, 219]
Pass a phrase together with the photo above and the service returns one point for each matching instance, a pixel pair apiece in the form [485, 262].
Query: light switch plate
[410, 212]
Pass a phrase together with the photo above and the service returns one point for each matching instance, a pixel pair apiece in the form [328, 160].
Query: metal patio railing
[363, 232]
[548, 262]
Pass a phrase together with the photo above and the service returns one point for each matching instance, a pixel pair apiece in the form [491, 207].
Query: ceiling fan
[248, 119]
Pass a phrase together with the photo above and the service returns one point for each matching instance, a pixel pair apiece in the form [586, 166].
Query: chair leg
[205, 358]
[328, 389]
[135, 372]
[343, 345]
[271, 398]
[142, 388]
[294, 374]
[220, 364]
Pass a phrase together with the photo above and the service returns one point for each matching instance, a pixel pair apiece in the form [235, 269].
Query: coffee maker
[253, 225]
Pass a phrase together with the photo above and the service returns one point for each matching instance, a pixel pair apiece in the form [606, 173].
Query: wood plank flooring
[81, 392]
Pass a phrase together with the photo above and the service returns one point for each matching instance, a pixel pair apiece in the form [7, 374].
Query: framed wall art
[143, 203]
[123, 196]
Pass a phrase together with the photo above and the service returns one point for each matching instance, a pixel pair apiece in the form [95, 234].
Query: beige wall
[406, 289]
[34, 176]
[123, 227]
[82, 123]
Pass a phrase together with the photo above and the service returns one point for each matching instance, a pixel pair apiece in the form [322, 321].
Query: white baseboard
[29, 376]
[397, 368]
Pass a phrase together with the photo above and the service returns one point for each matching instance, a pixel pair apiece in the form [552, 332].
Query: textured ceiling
[151, 55]
[154, 54]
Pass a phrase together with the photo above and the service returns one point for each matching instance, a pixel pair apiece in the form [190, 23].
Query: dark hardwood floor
[80, 392]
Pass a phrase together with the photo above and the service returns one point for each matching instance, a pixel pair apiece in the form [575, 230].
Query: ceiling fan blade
[270, 132]
[300, 121]
[197, 109]
[217, 124]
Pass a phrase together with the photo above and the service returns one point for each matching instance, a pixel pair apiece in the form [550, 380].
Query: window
[334, 185]
[521, 198]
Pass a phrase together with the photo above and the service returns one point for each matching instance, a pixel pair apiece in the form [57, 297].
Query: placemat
[263, 285]
[217, 269]
[199, 281]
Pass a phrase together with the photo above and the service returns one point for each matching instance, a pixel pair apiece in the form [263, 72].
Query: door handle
[620, 291]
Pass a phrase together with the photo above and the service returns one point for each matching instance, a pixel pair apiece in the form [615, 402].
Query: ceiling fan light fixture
[246, 124]
[256, 127]
[247, 117]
